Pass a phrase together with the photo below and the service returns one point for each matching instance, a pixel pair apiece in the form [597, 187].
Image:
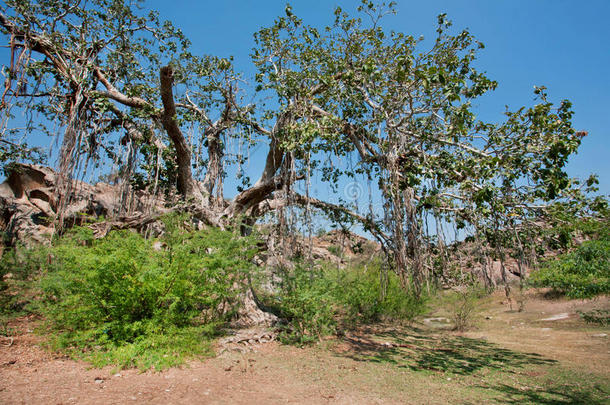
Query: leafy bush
[17, 268]
[317, 301]
[583, 273]
[117, 298]
[463, 306]
[562, 235]
[361, 292]
[306, 302]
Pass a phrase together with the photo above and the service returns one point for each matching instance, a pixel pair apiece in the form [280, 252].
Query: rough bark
[186, 184]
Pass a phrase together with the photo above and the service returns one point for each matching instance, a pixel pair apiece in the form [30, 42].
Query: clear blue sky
[561, 44]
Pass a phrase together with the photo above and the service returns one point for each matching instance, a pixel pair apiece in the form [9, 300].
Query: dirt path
[494, 364]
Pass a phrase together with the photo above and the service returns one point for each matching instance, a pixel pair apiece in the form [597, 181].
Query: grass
[416, 350]
[434, 368]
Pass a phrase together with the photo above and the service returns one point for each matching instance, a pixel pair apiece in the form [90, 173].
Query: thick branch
[299, 199]
[114, 94]
[186, 185]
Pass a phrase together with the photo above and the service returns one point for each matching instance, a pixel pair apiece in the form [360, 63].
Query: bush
[115, 298]
[463, 304]
[18, 267]
[306, 302]
[360, 291]
[317, 301]
[583, 273]
[597, 316]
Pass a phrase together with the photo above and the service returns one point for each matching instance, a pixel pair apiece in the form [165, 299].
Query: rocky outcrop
[29, 203]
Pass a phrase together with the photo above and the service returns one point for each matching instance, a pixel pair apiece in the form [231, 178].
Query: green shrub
[597, 316]
[361, 293]
[306, 303]
[463, 305]
[18, 266]
[119, 300]
[316, 302]
[583, 273]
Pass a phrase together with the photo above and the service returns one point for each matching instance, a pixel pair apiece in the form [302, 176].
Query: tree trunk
[186, 185]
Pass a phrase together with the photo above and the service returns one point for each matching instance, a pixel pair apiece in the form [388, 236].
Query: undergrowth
[129, 301]
[596, 316]
[318, 301]
[583, 272]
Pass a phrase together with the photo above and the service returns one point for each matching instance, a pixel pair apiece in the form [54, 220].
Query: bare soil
[509, 357]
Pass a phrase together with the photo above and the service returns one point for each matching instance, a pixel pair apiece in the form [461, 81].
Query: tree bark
[186, 185]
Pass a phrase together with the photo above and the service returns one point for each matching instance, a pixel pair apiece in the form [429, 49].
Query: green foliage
[366, 299]
[335, 250]
[317, 302]
[598, 316]
[17, 268]
[462, 306]
[123, 300]
[582, 273]
[306, 301]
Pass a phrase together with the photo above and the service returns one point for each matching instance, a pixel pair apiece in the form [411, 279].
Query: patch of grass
[470, 370]
[157, 351]
[335, 250]
[5, 330]
[555, 386]
[458, 355]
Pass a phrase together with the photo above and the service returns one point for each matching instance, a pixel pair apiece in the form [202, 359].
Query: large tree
[108, 75]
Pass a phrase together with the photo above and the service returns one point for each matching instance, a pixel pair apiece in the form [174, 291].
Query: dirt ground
[508, 357]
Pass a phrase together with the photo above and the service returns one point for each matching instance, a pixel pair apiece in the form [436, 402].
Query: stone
[557, 317]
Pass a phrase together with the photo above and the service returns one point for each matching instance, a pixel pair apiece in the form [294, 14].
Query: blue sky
[561, 44]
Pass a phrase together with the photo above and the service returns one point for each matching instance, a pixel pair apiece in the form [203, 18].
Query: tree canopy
[109, 79]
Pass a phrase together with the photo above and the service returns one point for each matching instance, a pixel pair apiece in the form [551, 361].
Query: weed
[597, 316]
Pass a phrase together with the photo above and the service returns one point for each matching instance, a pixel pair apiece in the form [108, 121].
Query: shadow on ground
[418, 351]
[555, 395]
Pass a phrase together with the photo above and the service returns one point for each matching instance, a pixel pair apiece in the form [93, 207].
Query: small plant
[462, 306]
[335, 250]
[5, 330]
[597, 316]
